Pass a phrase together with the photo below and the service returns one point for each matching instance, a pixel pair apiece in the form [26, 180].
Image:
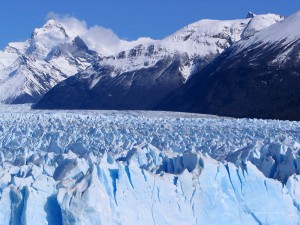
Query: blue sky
[130, 19]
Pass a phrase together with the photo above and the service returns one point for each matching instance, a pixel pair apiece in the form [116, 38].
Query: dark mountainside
[140, 89]
[244, 85]
[256, 77]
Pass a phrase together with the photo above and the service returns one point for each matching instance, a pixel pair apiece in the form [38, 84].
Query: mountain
[29, 69]
[141, 77]
[256, 77]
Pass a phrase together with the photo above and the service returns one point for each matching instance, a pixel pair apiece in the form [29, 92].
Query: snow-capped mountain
[202, 40]
[256, 77]
[29, 69]
[140, 77]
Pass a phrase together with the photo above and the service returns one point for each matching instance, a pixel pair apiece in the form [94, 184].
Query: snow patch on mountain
[206, 36]
[44, 39]
[260, 22]
[200, 41]
[31, 68]
[204, 39]
[283, 33]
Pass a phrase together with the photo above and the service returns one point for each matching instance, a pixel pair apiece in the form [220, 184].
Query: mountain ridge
[28, 71]
[129, 77]
[255, 78]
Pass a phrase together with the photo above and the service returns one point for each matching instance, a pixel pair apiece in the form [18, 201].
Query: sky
[129, 19]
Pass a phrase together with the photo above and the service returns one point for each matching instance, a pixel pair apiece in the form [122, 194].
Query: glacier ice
[109, 167]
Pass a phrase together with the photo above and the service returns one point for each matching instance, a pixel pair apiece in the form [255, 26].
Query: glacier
[137, 167]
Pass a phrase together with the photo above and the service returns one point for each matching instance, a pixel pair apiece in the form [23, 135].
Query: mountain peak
[80, 44]
[284, 32]
[52, 28]
[250, 15]
[51, 23]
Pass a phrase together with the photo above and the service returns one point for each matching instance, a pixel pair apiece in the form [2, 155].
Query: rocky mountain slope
[29, 69]
[257, 77]
[141, 77]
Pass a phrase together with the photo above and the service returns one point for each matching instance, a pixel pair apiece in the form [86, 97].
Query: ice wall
[146, 187]
[146, 168]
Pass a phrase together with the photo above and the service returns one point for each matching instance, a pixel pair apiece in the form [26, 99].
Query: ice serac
[90, 190]
[142, 76]
[108, 167]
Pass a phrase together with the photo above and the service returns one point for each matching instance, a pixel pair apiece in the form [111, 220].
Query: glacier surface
[134, 167]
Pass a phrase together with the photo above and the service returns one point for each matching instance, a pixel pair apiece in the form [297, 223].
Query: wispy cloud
[100, 39]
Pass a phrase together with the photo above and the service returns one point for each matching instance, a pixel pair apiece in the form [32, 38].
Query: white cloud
[100, 39]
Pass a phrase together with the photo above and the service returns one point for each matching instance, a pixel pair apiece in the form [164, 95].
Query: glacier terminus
[134, 167]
